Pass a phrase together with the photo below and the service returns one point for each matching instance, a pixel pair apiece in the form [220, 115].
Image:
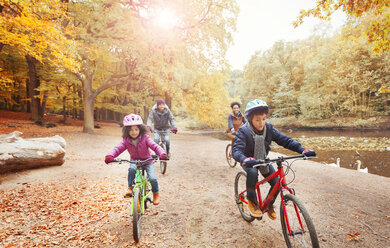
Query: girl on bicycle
[253, 142]
[137, 142]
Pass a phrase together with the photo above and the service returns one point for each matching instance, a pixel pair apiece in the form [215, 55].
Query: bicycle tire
[298, 238]
[146, 191]
[137, 213]
[230, 160]
[163, 164]
[240, 186]
[163, 167]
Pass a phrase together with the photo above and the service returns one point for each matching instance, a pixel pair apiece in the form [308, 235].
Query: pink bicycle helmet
[132, 120]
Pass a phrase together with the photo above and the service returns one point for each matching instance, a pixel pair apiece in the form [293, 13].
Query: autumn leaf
[353, 237]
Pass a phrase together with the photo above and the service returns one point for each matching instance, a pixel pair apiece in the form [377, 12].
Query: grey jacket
[161, 120]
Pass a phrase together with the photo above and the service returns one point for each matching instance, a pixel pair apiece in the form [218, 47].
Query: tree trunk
[89, 100]
[33, 84]
[18, 154]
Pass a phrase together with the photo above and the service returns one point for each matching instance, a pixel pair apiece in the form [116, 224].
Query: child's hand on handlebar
[163, 156]
[174, 130]
[309, 153]
[109, 159]
[249, 162]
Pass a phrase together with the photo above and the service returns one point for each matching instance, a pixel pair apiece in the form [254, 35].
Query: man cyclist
[162, 118]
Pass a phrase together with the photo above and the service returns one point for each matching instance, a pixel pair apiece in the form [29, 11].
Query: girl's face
[134, 132]
[236, 109]
[258, 121]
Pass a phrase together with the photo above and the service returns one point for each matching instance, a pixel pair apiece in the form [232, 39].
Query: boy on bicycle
[161, 116]
[253, 142]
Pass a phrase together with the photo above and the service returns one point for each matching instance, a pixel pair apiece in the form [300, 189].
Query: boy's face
[161, 107]
[134, 132]
[258, 121]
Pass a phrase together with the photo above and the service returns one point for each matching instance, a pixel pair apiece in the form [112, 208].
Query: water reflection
[378, 162]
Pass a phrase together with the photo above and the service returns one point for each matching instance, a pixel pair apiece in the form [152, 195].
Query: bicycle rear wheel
[302, 232]
[163, 164]
[137, 214]
[240, 196]
[232, 163]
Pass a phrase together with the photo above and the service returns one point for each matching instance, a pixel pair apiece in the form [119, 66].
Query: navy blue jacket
[244, 143]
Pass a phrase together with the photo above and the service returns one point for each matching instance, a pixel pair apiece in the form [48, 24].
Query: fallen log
[17, 153]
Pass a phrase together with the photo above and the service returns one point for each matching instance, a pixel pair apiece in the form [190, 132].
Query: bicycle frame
[281, 186]
[141, 183]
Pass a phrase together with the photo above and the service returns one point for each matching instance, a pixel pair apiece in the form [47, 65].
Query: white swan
[335, 165]
[359, 163]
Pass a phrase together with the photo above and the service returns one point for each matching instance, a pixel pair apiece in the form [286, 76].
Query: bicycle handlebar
[138, 162]
[260, 162]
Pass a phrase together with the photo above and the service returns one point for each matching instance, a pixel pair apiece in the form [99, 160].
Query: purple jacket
[139, 152]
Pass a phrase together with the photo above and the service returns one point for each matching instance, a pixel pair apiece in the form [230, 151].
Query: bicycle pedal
[149, 200]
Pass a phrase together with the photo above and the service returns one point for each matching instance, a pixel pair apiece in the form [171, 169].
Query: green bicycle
[141, 194]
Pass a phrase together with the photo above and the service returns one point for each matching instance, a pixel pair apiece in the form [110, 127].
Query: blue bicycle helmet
[255, 104]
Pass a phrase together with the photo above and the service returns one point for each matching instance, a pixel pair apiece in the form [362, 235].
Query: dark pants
[251, 180]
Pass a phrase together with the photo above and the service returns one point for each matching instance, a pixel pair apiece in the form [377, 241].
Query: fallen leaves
[353, 237]
[48, 214]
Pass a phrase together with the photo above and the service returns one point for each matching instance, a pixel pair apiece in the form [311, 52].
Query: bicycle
[141, 194]
[297, 231]
[230, 160]
[163, 144]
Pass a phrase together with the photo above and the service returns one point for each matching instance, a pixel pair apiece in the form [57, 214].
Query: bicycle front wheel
[240, 196]
[137, 213]
[298, 228]
[232, 163]
[163, 164]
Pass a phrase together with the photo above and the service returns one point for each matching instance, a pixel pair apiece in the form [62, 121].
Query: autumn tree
[33, 29]
[378, 31]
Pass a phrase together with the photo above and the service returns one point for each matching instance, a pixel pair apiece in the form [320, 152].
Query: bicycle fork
[285, 214]
[145, 196]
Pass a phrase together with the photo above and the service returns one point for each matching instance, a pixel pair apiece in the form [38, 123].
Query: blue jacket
[244, 143]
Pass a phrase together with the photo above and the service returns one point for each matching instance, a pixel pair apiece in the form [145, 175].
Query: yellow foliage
[34, 27]
[208, 102]
[378, 31]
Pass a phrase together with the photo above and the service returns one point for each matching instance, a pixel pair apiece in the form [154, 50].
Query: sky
[261, 23]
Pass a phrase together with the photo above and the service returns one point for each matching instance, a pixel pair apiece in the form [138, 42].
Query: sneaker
[129, 194]
[254, 209]
[271, 212]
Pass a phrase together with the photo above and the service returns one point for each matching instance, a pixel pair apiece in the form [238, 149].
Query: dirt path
[80, 203]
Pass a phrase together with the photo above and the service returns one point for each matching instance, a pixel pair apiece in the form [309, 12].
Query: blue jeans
[251, 180]
[164, 136]
[150, 170]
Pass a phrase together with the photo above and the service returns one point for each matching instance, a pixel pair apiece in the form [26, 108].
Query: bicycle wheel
[147, 190]
[232, 163]
[240, 196]
[303, 233]
[137, 214]
[163, 164]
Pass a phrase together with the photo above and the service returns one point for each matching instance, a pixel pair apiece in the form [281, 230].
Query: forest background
[100, 60]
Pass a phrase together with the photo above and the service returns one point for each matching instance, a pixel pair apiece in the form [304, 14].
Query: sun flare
[165, 18]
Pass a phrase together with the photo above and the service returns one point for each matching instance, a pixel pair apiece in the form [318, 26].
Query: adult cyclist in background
[235, 120]
[163, 122]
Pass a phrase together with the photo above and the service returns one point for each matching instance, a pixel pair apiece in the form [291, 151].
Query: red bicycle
[297, 226]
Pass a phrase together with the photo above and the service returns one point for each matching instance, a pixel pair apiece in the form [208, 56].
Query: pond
[372, 148]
